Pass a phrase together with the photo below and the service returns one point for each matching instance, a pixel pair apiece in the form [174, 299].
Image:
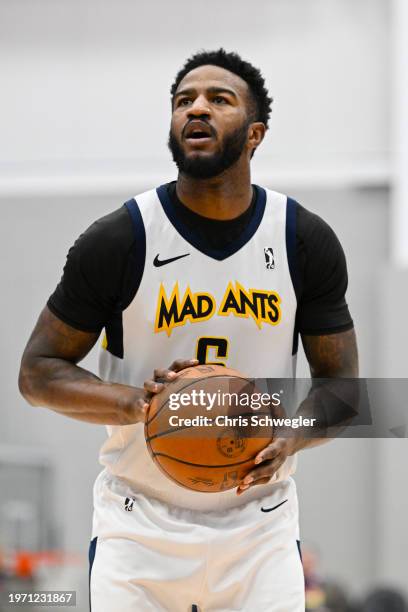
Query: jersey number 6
[220, 346]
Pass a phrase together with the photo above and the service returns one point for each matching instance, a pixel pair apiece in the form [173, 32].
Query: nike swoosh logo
[274, 507]
[162, 262]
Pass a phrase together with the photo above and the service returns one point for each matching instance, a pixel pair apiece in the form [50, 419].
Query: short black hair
[234, 63]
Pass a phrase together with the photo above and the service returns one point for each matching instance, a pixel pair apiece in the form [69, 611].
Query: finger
[141, 408]
[182, 364]
[152, 386]
[268, 453]
[242, 488]
[164, 375]
[265, 470]
[261, 481]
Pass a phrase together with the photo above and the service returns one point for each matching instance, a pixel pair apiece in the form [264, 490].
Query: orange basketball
[198, 432]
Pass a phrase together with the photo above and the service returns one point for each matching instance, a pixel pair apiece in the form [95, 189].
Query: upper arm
[89, 292]
[323, 318]
[52, 337]
[93, 287]
[332, 355]
[322, 277]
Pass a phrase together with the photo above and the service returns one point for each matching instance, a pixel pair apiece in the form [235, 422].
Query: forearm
[333, 400]
[77, 393]
[329, 408]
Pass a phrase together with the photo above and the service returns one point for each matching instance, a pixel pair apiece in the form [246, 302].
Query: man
[157, 546]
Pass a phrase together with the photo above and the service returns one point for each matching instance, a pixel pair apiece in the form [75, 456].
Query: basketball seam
[159, 465]
[222, 465]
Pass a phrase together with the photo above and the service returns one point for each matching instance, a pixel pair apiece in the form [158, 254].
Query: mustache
[210, 127]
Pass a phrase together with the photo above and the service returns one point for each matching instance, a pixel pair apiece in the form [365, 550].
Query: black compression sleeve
[322, 307]
[91, 290]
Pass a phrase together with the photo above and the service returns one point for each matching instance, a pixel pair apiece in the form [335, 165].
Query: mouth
[198, 132]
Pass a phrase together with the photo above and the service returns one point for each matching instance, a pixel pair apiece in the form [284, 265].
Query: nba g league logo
[269, 258]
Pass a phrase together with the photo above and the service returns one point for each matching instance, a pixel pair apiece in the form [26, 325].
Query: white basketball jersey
[235, 307]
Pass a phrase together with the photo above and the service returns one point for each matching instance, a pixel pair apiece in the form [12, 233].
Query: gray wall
[89, 80]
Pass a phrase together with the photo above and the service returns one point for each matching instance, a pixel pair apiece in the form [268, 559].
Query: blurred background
[84, 120]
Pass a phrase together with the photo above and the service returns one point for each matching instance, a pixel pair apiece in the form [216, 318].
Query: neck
[223, 197]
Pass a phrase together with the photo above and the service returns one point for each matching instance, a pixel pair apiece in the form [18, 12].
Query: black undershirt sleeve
[322, 307]
[96, 284]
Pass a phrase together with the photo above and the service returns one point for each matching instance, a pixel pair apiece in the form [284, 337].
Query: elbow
[26, 384]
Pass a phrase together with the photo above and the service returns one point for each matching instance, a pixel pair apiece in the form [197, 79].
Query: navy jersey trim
[299, 550]
[114, 335]
[140, 240]
[291, 209]
[91, 556]
[114, 327]
[201, 245]
[291, 206]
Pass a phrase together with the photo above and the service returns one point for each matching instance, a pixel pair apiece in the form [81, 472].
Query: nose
[199, 108]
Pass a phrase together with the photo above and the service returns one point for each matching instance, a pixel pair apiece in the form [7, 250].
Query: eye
[219, 100]
[184, 102]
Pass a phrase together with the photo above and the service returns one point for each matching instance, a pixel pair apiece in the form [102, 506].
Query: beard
[208, 167]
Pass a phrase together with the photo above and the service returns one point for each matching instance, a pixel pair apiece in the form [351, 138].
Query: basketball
[205, 448]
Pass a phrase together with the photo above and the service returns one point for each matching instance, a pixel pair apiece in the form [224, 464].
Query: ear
[256, 133]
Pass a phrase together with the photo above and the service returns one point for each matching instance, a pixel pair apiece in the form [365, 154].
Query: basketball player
[138, 273]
